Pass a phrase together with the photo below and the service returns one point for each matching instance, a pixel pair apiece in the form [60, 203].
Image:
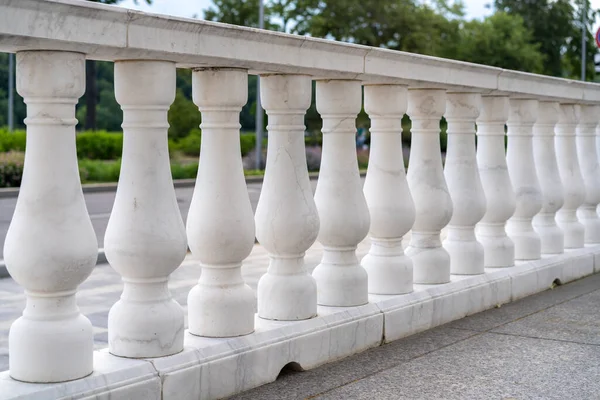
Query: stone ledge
[211, 368]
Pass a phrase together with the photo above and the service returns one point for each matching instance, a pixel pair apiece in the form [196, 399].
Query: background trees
[542, 36]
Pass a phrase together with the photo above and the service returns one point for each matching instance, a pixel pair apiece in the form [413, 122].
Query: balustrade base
[211, 368]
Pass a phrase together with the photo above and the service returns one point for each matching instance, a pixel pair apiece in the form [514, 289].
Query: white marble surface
[341, 280]
[499, 249]
[391, 206]
[544, 154]
[523, 175]
[287, 222]
[570, 175]
[50, 247]
[590, 171]
[144, 249]
[211, 368]
[464, 185]
[433, 205]
[220, 223]
[109, 33]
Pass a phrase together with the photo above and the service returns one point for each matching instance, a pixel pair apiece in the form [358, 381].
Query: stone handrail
[508, 216]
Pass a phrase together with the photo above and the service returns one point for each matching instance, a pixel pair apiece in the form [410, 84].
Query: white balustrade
[145, 238]
[590, 171]
[386, 190]
[570, 175]
[544, 152]
[433, 205]
[287, 223]
[499, 249]
[220, 224]
[521, 167]
[50, 247]
[464, 185]
[343, 211]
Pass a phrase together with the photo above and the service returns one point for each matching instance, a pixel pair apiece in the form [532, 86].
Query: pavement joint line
[475, 334]
[541, 338]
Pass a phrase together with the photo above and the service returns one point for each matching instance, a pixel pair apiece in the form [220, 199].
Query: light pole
[583, 37]
[11, 91]
[259, 109]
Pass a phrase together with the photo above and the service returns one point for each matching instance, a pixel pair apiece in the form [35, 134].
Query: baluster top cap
[339, 97]
[285, 92]
[426, 103]
[494, 109]
[385, 100]
[523, 111]
[50, 74]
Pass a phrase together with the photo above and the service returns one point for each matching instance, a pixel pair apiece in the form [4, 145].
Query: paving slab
[540, 347]
[487, 366]
[576, 320]
[509, 312]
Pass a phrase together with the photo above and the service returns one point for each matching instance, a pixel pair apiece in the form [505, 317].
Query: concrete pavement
[546, 346]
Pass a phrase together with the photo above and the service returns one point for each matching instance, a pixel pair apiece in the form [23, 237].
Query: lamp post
[11, 92]
[259, 109]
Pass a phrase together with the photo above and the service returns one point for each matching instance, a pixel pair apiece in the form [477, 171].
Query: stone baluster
[220, 224]
[50, 247]
[287, 223]
[499, 249]
[145, 237]
[390, 204]
[570, 175]
[544, 153]
[590, 170]
[341, 280]
[433, 205]
[464, 185]
[521, 168]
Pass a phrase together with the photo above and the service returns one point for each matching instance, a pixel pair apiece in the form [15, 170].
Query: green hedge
[11, 168]
[102, 145]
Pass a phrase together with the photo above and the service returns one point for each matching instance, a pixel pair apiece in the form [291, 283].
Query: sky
[187, 8]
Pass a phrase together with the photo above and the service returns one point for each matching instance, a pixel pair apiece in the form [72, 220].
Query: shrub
[184, 171]
[12, 141]
[99, 145]
[190, 145]
[99, 171]
[247, 142]
[11, 168]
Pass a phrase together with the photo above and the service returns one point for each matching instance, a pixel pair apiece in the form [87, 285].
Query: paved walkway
[546, 346]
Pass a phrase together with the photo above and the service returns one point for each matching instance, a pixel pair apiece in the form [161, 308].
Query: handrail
[106, 32]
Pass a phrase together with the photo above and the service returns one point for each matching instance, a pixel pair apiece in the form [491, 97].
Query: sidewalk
[546, 346]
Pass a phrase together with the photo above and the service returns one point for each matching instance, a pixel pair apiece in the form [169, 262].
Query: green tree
[500, 40]
[239, 12]
[554, 25]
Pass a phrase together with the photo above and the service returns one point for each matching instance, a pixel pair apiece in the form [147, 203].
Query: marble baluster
[464, 185]
[521, 168]
[570, 175]
[390, 204]
[499, 249]
[145, 238]
[220, 224]
[544, 153]
[590, 170]
[287, 223]
[341, 280]
[433, 205]
[50, 247]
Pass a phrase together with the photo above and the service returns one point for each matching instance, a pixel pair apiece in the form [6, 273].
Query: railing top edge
[106, 32]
